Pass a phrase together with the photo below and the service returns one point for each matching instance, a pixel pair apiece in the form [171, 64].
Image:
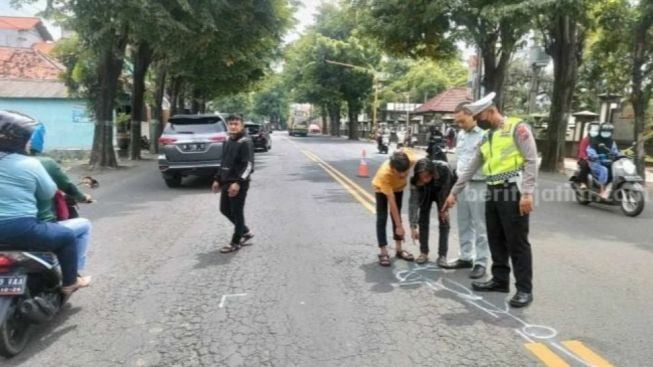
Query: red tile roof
[19, 23]
[27, 63]
[44, 47]
[446, 101]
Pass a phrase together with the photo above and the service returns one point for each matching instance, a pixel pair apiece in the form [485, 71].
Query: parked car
[314, 129]
[260, 134]
[191, 145]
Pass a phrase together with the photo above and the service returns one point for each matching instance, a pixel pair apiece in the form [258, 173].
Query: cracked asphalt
[310, 291]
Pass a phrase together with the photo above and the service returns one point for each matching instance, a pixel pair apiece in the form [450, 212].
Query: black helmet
[607, 130]
[15, 131]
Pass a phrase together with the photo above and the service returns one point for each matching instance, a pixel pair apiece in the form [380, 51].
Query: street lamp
[375, 81]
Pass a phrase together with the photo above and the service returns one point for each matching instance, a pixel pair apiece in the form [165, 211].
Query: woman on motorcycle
[46, 209]
[600, 153]
[23, 181]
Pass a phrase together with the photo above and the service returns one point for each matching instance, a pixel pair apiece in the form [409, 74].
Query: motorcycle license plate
[12, 285]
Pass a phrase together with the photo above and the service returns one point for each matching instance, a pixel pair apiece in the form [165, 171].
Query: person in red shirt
[583, 165]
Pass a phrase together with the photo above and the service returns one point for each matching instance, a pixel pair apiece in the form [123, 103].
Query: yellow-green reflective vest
[502, 160]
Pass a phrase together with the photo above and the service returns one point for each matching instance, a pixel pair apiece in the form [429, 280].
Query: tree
[430, 29]
[271, 101]
[642, 74]
[563, 25]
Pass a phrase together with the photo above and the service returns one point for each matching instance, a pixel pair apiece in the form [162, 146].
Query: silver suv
[191, 145]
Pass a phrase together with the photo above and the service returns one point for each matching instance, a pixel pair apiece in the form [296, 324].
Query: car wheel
[173, 181]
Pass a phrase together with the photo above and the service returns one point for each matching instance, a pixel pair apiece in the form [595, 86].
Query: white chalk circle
[539, 332]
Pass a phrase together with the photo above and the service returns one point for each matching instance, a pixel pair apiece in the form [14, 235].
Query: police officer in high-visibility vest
[507, 156]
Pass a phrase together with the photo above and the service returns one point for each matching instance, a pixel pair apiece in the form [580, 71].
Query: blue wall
[67, 121]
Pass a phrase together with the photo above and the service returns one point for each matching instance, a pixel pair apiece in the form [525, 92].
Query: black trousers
[508, 236]
[382, 218]
[583, 171]
[234, 209]
[424, 223]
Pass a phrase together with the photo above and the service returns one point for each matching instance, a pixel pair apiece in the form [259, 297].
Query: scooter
[30, 293]
[383, 143]
[627, 189]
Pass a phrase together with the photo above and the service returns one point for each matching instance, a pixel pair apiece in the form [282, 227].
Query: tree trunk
[352, 113]
[175, 90]
[641, 95]
[334, 114]
[495, 63]
[195, 101]
[159, 93]
[142, 61]
[181, 99]
[565, 48]
[325, 125]
[109, 68]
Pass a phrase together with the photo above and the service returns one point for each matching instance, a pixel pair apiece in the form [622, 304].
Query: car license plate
[194, 147]
[12, 285]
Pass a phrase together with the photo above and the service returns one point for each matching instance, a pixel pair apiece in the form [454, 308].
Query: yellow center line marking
[354, 185]
[369, 206]
[586, 353]
[546, 355]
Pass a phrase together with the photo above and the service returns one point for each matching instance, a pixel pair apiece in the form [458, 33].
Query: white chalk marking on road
[225, 296]
[524, 336]
[570, 354]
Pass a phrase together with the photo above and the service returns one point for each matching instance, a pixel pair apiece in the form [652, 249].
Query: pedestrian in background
[389, 183]
[232, 181]
[474, 249]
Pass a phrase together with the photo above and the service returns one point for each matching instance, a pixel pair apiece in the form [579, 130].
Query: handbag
[61, 206]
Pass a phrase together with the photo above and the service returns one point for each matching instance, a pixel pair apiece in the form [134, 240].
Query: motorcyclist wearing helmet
[23, 181]
[583, 164]
[601, 152]
[46, 208]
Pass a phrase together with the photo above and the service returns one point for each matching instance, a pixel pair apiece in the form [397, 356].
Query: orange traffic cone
[363, 170]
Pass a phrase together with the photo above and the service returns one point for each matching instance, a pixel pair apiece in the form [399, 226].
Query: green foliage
[422, 78]
[271, 101]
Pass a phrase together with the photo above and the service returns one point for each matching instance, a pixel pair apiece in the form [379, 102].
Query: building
[23, 32]
[30, 83]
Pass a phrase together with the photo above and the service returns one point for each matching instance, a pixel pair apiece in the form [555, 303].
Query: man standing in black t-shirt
[232, 181]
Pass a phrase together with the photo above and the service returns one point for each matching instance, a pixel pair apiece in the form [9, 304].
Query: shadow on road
[213, 258]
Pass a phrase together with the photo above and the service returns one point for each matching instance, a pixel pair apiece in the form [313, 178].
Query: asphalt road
[309, 291]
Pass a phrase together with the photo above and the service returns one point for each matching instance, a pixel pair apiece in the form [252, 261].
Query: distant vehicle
[314, 129]
[260, 134]
[298, 129]
[191, 145]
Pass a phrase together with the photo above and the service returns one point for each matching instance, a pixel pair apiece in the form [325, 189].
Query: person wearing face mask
[508, 158]
[583, 164]
[600, 153]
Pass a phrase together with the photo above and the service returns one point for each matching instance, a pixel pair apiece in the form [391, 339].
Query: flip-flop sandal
[228, 249]
[405, 255]
[245, 240]
[384, 260]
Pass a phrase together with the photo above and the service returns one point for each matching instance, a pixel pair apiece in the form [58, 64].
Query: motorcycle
[30, 292]
[383, 143]
[627, 189]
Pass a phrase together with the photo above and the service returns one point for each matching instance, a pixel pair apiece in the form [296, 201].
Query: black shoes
[521, 299]
[477, 272]
[491, 286]
[460, 264]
